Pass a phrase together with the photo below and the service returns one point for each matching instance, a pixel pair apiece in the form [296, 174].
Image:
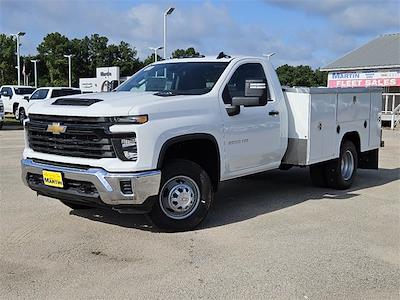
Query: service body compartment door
[322, 127]
[374, 120]
[353, 107]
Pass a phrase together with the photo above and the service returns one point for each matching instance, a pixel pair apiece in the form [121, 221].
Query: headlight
[129, 149]
[131, 119]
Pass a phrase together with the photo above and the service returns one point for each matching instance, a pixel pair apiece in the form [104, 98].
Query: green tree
[52, 51]
[8, 73]
[81, 67]
[150, 59]
[98, 54]
[124, 56]
[88, 53]
[189, 52]
[321, 78]
[300, 76]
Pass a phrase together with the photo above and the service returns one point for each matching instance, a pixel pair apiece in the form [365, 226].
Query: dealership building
[375, 64]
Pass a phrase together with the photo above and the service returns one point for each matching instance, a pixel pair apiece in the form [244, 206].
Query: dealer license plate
[53, 179]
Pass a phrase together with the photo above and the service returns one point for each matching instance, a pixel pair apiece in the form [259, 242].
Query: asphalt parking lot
[269, 236]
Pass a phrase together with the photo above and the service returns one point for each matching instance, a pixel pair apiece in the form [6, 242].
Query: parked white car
[1, 114]
[166, 138]
[12, 94]
[42, 93]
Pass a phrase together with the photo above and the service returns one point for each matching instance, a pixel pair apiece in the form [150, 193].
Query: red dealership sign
[364, 79]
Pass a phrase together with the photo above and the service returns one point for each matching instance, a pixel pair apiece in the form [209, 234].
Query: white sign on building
[106, 79]
[109, 73]
[364, 79]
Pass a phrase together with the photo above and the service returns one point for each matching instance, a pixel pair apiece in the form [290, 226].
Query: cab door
[6, 95]
[252, 137]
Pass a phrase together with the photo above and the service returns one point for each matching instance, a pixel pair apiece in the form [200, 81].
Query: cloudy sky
[312, 32]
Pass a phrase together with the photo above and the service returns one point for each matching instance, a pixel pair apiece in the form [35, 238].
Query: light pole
[35, 70]
[17, 35]
[69, 56]
[166, 13]
[155, 49]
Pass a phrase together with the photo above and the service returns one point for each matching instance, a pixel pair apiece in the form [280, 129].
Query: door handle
[273, 113]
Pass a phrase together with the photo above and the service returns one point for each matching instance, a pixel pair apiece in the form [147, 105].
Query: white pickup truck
[1, 114]
[163, 141]
[41, 94]
[12, 94]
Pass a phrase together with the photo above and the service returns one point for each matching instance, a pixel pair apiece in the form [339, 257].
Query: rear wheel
[1, 125]
[340, 173]
[185, 196]
[75, 205]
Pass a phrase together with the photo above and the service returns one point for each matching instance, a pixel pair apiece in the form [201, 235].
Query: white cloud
[209, 27]
[350, 16]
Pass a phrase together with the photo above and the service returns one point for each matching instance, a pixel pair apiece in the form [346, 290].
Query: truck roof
[206, 59]
[58, 88]
[16, 86]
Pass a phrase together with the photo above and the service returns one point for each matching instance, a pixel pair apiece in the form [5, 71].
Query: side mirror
[232, 110]
[26, 98]
[256, 94]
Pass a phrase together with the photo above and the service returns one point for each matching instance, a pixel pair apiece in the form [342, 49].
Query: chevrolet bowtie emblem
[56, 128]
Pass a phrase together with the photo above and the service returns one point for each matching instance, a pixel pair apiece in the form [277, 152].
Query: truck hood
[110, 104]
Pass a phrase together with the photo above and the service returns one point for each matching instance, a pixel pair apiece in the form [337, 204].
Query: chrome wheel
[347, 165]
[179, 197]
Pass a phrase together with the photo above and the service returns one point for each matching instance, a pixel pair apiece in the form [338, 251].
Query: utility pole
[155, 49]
[17, 36]
[35, 61]
[69, 56]
[166, 13]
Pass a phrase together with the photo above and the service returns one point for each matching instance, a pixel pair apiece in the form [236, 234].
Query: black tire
[317, 174]
[21, 115]
[1, 125]
[172, 175]
[75, 205]
[333, 171]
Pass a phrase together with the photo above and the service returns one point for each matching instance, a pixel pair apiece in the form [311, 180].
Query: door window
[8, 91]
[237, 83]
[24, 91]
[39, 94]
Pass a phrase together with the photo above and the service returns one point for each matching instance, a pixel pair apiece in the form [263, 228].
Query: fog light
[129, 148]
[126, 187]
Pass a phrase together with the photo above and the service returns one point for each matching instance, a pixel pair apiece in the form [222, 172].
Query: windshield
[193, 78]
[24, 91]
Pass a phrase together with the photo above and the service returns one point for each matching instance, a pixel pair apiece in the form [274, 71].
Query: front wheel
[185, 196]
[21, 115]
[340, 173]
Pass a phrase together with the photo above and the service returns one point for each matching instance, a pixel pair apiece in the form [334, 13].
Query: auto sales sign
[364, 79]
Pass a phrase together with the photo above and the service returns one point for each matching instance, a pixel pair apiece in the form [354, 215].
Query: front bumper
[106, 187]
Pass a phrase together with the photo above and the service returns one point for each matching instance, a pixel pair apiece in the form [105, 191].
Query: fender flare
[189, 137]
